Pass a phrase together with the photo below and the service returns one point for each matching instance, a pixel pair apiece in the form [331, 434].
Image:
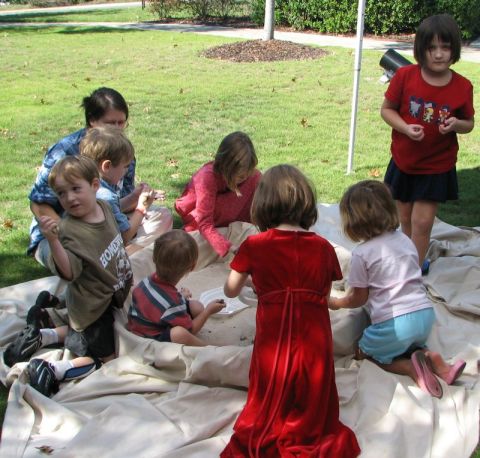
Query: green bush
[163, 8]
[381, 16]
[465, 12]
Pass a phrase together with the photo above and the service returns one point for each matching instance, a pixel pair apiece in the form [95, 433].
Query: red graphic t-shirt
[427, 105]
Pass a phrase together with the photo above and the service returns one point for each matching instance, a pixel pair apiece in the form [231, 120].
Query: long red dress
[292, 405]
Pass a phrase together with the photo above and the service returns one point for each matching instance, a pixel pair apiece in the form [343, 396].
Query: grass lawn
[181, 107]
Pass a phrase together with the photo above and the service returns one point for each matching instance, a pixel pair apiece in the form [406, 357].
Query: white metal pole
[356, 82]
[268, 27]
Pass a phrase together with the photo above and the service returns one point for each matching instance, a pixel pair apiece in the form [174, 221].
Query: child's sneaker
[24, 346]
[425, 267]
[42, 377]
[37, 315]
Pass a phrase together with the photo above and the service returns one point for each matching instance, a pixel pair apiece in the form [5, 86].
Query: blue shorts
[386, 340]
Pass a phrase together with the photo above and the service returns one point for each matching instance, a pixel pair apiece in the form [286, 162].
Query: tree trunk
[269, 20]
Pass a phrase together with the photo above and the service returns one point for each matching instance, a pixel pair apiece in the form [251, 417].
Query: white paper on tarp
[168, 400]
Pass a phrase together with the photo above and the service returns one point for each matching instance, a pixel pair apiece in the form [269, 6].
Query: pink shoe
[455, 371]
[426, 379]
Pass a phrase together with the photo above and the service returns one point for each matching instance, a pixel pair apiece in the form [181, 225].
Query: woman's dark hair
[442, 26]
[102, 100]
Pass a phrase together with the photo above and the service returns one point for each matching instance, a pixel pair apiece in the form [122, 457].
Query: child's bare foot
[447, 372]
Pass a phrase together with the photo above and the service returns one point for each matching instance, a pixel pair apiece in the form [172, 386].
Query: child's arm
[356, 297]
[49, 229]
[460, 126]
[391, 116]
[144, 202]
[43, 209]
[234, 284]
[202, 317]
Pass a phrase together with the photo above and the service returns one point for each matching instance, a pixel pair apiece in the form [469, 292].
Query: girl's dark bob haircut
[442, 26]
[284, 196]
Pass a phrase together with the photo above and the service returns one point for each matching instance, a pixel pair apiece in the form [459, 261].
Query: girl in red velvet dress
[292, 405]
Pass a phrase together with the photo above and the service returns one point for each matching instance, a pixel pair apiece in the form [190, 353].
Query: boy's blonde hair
[235, 155]
[73, 167]
[175, 253]
[284, 196]
[107, 143]
[367, 210]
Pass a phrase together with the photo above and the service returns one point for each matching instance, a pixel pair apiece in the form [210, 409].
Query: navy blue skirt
[405, 187]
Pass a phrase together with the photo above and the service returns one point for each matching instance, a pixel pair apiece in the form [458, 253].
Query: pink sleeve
[206, 192]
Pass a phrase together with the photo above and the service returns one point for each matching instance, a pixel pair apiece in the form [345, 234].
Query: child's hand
[448, 125]
[415, 132]
[215, 306]
[49, 227]
[332, 303]
[145, 200]
[186, 293]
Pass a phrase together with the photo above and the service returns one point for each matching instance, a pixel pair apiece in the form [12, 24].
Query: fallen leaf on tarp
[46, 449]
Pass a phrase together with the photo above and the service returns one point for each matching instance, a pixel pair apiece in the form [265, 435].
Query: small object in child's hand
[55, 229]
[159, 195]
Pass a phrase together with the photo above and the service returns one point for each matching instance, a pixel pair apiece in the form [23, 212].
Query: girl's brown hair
[107, 143]
[284, 196]
[71, 167]
[175, 253]
[367, 210]
[235, 155]
[442, 26]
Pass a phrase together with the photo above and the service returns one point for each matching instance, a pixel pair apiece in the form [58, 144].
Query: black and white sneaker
[42, 377]
[37, 315]
[24, 346]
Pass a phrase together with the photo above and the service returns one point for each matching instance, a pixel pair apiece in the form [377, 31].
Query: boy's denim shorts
[386, 340]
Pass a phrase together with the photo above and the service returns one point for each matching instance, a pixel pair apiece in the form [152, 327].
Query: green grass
[134, 14]
[181, 106]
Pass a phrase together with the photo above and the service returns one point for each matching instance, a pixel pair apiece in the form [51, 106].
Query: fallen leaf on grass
[374, 173]
[175, 176]
[8, 224]
[172, 163]
[304, 122]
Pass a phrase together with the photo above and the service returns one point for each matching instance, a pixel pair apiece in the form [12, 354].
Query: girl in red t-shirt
[427, 104]
[292, 405]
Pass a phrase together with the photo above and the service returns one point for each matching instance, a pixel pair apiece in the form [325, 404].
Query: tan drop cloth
[167, 400]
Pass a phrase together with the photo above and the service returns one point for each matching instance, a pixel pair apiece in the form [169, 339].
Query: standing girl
[292, 405]
[427, 105]
[385, 276]
[221, 192]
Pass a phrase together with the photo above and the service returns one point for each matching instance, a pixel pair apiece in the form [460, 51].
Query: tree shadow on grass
[49, 16]
[68, 29]
[466, 210]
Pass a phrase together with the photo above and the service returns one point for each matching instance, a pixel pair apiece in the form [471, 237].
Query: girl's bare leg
[405, 215]
[423, 215]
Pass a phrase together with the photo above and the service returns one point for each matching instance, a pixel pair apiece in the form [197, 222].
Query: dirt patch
[263, 51]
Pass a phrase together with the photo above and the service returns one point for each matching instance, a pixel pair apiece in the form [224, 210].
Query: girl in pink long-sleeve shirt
[221, 192]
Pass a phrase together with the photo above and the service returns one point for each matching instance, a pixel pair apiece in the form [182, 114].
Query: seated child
[218, 194]
[113, 152]
[86, 250]
[159, 310]
[385, 275]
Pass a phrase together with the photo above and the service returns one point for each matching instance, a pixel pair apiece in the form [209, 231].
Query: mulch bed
[263, 51]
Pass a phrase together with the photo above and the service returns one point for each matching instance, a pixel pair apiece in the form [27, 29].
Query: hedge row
[381, 16]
